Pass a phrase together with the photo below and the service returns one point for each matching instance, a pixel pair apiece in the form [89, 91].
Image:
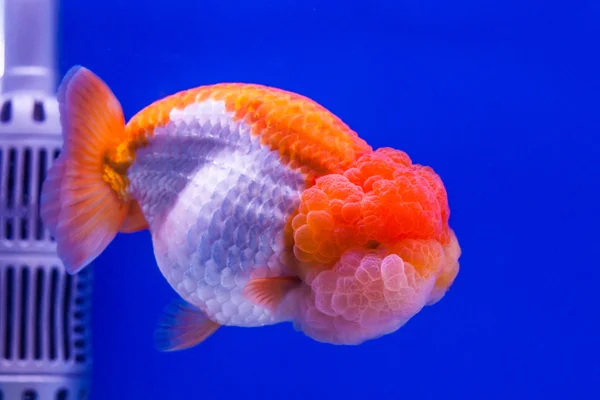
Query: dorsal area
[306, 135]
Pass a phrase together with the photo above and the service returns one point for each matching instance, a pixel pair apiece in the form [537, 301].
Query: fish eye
[373, 244]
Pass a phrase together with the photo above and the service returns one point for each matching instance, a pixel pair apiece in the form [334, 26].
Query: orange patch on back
[308, 137]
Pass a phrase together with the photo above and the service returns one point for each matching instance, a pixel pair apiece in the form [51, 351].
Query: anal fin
[182, 326]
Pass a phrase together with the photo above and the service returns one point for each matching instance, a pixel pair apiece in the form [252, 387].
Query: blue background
[501, 98]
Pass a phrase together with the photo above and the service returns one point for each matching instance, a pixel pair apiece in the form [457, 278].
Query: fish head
[375, 247]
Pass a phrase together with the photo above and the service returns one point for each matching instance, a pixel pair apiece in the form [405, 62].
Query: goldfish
[263, 207]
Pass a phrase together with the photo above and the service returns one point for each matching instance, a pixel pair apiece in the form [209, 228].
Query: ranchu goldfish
[263, 207]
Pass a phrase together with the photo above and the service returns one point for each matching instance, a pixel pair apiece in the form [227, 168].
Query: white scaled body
[217, 215]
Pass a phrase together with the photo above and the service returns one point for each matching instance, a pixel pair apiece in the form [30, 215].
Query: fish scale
[224, 220]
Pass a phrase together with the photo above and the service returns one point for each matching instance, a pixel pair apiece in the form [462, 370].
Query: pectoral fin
[270, 292]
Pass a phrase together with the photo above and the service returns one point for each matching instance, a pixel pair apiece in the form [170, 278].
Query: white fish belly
[217, 202]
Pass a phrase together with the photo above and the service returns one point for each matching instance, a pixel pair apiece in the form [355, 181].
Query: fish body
[262, 205]
[218, 179]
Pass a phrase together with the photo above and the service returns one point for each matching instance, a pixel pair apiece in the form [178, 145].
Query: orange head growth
[382, 199]
[374, 246]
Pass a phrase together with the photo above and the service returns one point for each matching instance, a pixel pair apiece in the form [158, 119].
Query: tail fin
[79, 208]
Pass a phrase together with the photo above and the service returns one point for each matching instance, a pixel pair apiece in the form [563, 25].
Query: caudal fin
[79, 208]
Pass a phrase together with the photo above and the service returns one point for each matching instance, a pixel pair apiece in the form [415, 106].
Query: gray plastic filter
[44, 312]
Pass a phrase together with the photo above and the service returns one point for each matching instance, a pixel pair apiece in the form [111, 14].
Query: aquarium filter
[44, 311]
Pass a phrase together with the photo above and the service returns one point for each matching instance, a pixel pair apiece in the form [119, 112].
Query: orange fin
[270, 292]
[78, 207]
[182, 326]
[135, 220]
